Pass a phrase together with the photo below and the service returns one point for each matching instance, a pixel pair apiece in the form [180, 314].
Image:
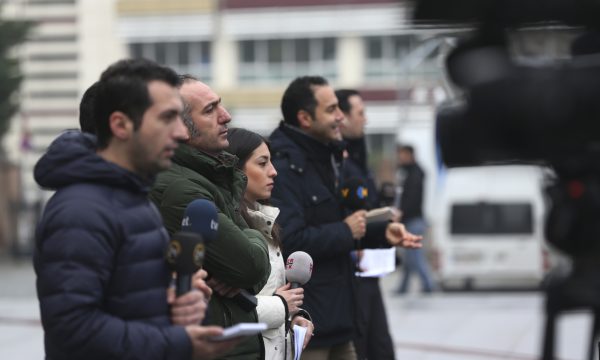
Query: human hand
[293, 297]
[187, 309]
[199, 283]
[222, 289]
[357, 222]
[310, 328]
[203, 348]
[397, 235]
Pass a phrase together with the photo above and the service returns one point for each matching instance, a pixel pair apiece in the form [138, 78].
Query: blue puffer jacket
[99, 260]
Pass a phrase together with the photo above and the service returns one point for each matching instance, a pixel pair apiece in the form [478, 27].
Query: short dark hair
[124, 87]
[186, 114]
[408, 148]
[300, 95]
[343, 95]
[87, 116]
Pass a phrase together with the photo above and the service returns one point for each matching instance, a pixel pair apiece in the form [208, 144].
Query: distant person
[307, 191]
[277, 301]
[387, 194]
[410, 180]
[373, 339]
[238, 258]
[99, 257]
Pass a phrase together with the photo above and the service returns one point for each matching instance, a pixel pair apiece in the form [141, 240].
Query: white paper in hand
[377, 262]
[241, 329]
[299, 334]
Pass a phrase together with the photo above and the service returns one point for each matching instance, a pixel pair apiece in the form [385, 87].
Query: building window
[192, 58]
[280, 60]
[386, 53]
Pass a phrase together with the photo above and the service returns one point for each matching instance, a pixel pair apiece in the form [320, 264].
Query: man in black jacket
[410, 178]
[99, 257]
[373, 339]
[307, 191]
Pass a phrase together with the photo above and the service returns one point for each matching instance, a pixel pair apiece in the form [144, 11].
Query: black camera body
[512, 112]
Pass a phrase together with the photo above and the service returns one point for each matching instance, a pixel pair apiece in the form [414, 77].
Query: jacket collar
[313, 148]
[72, 159]
[263, 216]
[219, 169]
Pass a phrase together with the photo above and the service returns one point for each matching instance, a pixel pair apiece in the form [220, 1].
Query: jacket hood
[72, 158]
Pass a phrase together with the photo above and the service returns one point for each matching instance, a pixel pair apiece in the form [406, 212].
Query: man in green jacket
[238, 258]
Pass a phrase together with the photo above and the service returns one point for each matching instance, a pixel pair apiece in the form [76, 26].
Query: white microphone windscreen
[298, 267]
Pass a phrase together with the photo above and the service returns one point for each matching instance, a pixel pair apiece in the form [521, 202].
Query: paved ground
[444, 326]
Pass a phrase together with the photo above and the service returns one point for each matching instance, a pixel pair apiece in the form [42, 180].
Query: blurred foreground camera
[516, 112]
[546, 113]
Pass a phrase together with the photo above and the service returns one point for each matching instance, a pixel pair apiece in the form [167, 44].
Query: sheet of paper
[299, 334]
[377, 262]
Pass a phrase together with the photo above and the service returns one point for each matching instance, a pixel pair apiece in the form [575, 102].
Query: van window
[491, 218]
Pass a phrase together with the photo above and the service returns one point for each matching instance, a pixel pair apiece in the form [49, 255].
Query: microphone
[200, 217]
[185, 255]
[298, 268]
[355, 194]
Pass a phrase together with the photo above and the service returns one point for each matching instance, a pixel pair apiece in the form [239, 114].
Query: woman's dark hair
[242, 144]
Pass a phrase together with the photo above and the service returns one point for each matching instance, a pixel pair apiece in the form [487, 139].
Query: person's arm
[271, 310]
[325, 240]
[74, 265]
[236, 257]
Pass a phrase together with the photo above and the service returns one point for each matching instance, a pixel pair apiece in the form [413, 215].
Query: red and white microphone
[298, 268]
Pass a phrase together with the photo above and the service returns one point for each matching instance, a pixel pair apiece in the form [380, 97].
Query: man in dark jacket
[99, 259]
[410, 178]
[307, 192]
[373, 339]
[239, 257]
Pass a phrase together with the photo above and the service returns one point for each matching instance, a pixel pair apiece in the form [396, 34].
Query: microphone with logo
[201, 218]
[298, 268]
[355, 194]
[185, 255]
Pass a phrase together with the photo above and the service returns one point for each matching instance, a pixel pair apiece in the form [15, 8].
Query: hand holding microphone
[201, 218]
[357, 222]
[293, 297]
[354, 198]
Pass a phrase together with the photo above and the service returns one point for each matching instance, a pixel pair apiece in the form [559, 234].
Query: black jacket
[355, 166]
[99, 260]
[312, 221]
[411, 200]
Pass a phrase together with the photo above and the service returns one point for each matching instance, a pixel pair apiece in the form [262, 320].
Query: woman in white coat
[278, 304]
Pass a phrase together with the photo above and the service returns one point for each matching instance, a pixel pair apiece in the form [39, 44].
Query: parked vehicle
[488, 227]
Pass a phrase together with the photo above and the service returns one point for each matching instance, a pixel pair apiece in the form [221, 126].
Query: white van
[488, 227]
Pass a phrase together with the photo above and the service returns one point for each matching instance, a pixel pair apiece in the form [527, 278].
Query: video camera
[518, 112]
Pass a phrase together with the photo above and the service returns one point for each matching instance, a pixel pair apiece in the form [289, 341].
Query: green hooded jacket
[239, 256]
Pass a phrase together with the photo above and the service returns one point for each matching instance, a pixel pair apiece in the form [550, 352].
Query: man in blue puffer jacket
[101, 275]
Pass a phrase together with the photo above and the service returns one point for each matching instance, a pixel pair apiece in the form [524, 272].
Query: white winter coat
[270, 308]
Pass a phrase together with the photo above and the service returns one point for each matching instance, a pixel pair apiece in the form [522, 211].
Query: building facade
[71, 43]
[247, 50]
